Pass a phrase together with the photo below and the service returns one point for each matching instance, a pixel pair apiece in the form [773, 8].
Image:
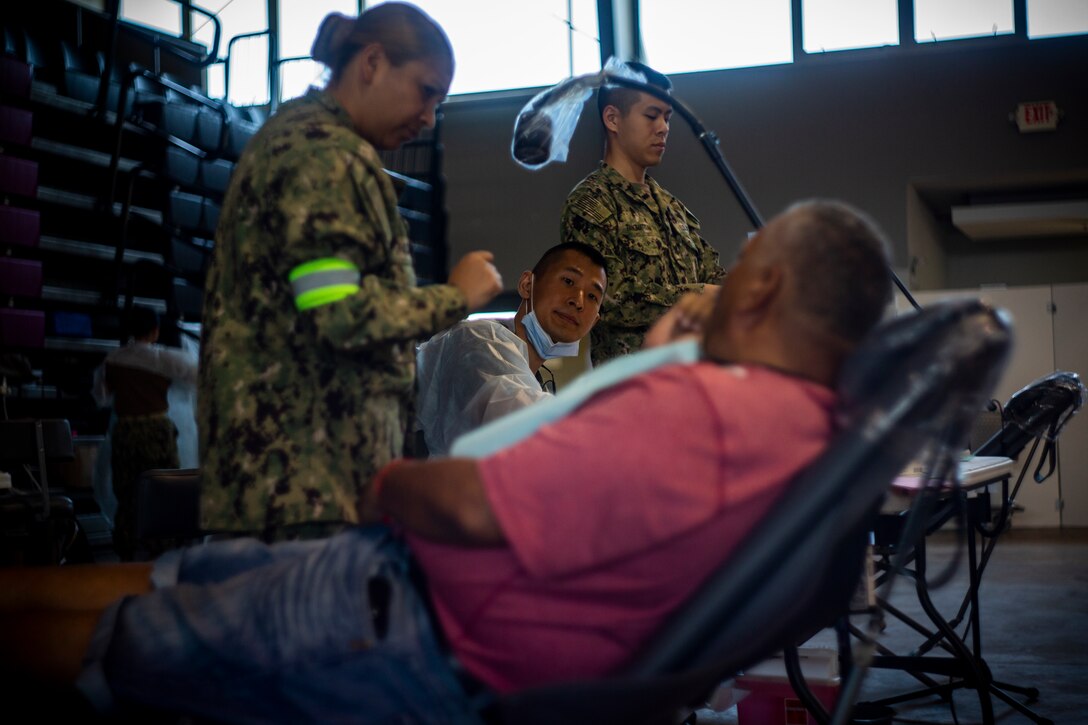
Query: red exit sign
[1037, 116]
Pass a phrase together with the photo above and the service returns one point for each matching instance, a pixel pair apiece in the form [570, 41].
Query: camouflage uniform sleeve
[349, 212]
[635, 297]
[710, 267]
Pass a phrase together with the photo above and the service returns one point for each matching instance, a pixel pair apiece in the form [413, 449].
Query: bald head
[803, 291]
[840, 266]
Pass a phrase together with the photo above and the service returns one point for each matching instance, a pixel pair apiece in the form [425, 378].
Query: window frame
[615, 32]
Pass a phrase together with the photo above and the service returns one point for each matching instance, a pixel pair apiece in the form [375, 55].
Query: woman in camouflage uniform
[311, 307]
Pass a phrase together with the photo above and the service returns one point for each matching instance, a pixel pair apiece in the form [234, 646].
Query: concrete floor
[1034, 624]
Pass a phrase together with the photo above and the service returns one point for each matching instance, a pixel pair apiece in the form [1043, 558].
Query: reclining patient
[552, 559]
[480, 370]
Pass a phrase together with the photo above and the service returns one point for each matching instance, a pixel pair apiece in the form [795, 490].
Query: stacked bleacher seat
[80, 243]
[416, 169]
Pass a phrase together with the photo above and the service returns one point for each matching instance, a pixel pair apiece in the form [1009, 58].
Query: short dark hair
[842, 264]
[142, 321]
[549, 257]
[622, 97]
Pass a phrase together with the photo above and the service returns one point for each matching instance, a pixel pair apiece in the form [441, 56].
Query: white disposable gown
[468, 375]
[180, 365]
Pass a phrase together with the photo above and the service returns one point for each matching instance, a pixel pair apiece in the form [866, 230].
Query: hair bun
[332, 34]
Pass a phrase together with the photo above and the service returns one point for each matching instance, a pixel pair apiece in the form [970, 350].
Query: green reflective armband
[323, 281]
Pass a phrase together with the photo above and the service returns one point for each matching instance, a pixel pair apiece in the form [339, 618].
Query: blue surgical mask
[541, 340]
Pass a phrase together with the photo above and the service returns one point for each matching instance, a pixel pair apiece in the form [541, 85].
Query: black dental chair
[1036, 414]
[914, 386]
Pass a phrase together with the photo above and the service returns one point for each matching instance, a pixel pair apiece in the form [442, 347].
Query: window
[845, 24]
[247, 72]
[298, 75]
[949, 19]
[679, 36]
[248, 56]
[511, 44]
[1048, 18]
[164, 15]
[300, 19]
[585, 38]
[215, 80]
[504, 44]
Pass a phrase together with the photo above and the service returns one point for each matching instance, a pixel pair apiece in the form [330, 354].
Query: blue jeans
[308, 631]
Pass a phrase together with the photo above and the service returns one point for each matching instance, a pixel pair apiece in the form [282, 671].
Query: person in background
[312, 312]
[649, 239]
[135, 379]
[480, 370]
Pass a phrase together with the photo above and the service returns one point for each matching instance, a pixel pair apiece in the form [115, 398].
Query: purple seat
[14, 77]
[19, 226]
[18, 176]
[20, 277]
[22, 328]
[16, 125]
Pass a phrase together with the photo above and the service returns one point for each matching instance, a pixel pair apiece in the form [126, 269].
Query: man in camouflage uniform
[310, 318]
[648, 237]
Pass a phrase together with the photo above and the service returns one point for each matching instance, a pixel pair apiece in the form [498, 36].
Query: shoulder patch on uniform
[588, 205]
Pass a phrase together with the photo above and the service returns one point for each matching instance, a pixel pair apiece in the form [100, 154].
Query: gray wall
[1026, 263]
[858, 126]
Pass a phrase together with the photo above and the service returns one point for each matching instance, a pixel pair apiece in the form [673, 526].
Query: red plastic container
[771, 701]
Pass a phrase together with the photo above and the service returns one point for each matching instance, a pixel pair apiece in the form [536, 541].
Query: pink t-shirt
[615, 514]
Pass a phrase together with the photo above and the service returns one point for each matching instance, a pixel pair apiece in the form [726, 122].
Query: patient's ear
[761, 288]
[525, 284]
